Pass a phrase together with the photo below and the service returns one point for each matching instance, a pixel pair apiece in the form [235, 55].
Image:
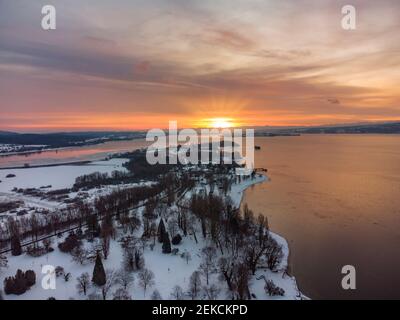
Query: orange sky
[138, 64]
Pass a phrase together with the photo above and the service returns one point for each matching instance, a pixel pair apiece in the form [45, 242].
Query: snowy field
[59, 177]
[169, 270]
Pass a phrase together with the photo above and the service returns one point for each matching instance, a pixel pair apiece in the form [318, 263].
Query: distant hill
[383, 128]
[64, 139]
[355, 128]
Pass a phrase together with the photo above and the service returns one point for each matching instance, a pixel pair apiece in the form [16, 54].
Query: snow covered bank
[59, 177]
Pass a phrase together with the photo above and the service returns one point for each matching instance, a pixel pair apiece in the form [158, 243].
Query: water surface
[336, 199]
[72, 154]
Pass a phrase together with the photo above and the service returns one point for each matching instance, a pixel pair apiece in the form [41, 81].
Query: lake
[72, 154]
[336, 199]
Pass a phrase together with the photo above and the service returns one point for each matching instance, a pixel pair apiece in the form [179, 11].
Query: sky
[125, 65]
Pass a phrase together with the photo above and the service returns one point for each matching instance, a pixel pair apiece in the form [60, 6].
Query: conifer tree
[99, 275]
[166, 247]
[161, 231]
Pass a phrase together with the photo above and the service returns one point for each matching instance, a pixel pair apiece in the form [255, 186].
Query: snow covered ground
[169, 270]
[59, 177]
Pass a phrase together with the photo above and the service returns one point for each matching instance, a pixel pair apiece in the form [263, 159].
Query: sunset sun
[220, 123]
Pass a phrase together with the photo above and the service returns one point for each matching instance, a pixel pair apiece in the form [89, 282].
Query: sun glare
[220, 123]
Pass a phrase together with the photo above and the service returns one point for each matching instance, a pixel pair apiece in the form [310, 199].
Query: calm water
[94, 152]
[336, 199]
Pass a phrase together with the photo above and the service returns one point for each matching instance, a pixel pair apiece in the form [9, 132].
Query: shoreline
[71, 163]
[278, 237]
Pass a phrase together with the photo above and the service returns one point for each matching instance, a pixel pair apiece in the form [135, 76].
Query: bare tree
[133, 259]
[195, 284]
[212, 292]
[83, 283]
[173, 226]
[156, 295]
[105, 246]
[78, 255]
[110, 280]
[191, 227]
[254, 251]
[122, 294]
[47, 244]
[177, 293]
[226, 268]
[273, 253]
[146, 279]
[34, 224]
[241, 281]
[124, 278]
[187, 256]
[207, 266]
[3, 262]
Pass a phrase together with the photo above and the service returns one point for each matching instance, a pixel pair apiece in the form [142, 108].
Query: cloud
[179, 57]
[228, 38]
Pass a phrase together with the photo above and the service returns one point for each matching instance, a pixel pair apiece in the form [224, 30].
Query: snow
[169, 270]
[59, 177]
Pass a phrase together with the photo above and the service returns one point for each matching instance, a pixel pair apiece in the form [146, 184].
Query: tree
[3, 262]
[110, 280]
[148, 218]
[212, 292]
[47, 245]
[16, 248]
[177, 239]
[226, 268]
[122, 294]
[83, 283]
[146, 279]
[70, 243]
[105, 246]
[187, 256]
[156, 295]
[124, 278]
[78, 255]
[195, 284]
[161, 231]
[254, 251]
[273, 253]
[133, 259]
[99, 275]
[241, 281]
[262, 222]
[20, 282]
[173, 226]
[207, 266]
[166, 246]
[177, 293]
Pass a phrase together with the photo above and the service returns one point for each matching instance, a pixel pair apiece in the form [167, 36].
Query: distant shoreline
[29, 152]
[70, 163]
